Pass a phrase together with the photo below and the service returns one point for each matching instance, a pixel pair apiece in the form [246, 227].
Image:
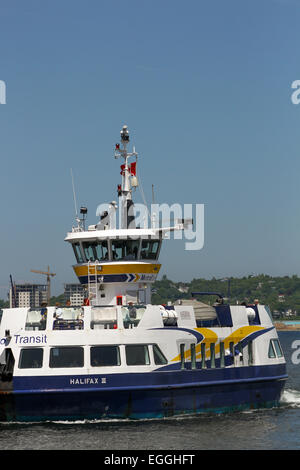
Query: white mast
[125, 194]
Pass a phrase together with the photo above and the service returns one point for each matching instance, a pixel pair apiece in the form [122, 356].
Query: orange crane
[48, 274]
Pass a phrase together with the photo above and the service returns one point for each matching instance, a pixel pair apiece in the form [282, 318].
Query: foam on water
[291, 397]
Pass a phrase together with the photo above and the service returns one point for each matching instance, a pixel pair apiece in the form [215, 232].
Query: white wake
[291, 397]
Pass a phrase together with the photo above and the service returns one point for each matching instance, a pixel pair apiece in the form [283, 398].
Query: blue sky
[205, 89]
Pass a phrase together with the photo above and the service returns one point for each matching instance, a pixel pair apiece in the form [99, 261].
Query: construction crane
[48, 274]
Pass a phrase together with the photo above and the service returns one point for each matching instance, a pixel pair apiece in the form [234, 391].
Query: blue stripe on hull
[146, 403]
[148, 395]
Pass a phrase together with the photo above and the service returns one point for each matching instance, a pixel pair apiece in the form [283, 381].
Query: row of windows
[72, 318]
[207, 357]
[100, 356]
[138, 354]
[116, 250]
[208, 354]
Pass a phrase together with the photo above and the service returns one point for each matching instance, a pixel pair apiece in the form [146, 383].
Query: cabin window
[31, 358]
[231, 349]
[240, 353]
[159, 357]
[125, 249]
[203, 363]
[102, 356]
[78, 252]
[141, 296]
[271, 352]
[182, 347]
[193, 356]
[222, 354]
[7, 368]
[137, 355]
[36, 319]
[68, 318]
[275, 349]
[132, 315]
[96, 251]
[212, 355]
[150, 249]
[66, 356]
[250, 353]
[239, 349]
[103, 318]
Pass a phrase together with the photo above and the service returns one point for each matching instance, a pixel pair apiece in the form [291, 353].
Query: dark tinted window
[105, 356]
[159, 357]
[149, 249]
[31, 358]
[77, 252]
[95, 251]
[125, 249]
[66, 357]
[137, 355]
[277, 347]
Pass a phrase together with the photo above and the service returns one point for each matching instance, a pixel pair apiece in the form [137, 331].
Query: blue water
[277, 428]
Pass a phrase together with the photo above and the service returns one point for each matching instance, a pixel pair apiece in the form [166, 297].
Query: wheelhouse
[116, 249]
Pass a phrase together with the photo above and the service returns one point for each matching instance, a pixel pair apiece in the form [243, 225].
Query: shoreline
[283, 327]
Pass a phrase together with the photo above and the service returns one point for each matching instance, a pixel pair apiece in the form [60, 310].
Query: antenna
[74, 195]
[153, 194]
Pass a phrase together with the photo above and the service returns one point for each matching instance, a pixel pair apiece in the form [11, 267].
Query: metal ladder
[92, 283]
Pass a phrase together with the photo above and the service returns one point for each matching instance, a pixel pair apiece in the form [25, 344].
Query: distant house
[281, 297]
[290, 313]
[183, 288]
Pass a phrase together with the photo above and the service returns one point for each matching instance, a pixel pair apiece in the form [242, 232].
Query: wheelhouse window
[96, 251]
[137, 355]
[66, 356]
[78, 252]
[107, 355]
[31, 358]
[125, 249]
[150, 249]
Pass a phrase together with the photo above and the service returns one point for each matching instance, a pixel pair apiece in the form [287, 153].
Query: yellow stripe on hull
[126, 268]
[210, 336]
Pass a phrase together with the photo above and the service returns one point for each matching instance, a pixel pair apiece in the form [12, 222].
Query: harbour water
[264, 429]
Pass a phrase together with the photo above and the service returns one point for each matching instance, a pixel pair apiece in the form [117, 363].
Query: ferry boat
[119, 356]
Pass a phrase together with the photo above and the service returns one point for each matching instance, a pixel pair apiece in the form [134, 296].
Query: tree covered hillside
[282, 294]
